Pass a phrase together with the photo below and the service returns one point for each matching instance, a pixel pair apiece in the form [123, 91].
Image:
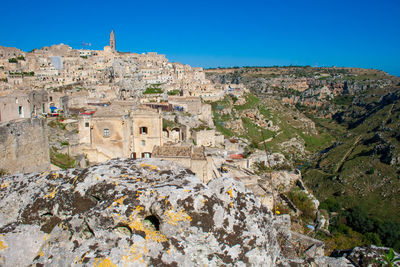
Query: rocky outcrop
[127, 212]
[144, 212]
[365, 256]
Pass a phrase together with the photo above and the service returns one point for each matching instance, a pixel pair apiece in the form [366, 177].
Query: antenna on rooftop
[85, 44]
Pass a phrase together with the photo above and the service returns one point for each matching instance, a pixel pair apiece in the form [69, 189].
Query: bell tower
[112, 41]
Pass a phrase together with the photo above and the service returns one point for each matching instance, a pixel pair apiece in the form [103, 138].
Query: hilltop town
[63, 108]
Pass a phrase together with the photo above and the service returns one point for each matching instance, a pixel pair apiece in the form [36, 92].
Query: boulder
[132, 212]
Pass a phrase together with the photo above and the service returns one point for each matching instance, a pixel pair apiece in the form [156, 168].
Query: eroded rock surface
[132, 212]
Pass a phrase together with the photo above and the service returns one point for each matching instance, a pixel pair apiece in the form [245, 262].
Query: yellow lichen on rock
[52, 194]
[230, 192]
[76, 178]
[119, 201]
[151, 234]
[173, 217]
[5, 184]
[3, 245]
[135, 253]
[103, 262]
[40, 254]
[154, 168]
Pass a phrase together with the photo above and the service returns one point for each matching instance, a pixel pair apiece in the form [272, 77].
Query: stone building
[116, 131]
[207, 138]
[112, 41]
[194, 106]
[20, 105]
[190, 157]
[24, 146]
[147, 131]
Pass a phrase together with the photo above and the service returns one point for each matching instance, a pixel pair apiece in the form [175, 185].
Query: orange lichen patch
[173, 217]
[124, 175]
[54, 175]
[139, 208]
[40, 254]
[3, 245]
[4, 185]
[186, 190]
[63, 226]
[77, 260]
[138, 193]
[151, 234]
[76, 178]
[103, 262]
[230, 192]
[119, 201]
[136, 223]
[149, 166]
[52, 194]
[135, 253]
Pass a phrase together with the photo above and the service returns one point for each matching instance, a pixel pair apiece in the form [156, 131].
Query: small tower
[112, 41]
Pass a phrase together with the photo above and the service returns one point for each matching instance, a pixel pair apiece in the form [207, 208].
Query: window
[143, 143]
[143, 130]
[146, 155]
[86, 124]
[106, 132]
[20, 111]
[51, 98]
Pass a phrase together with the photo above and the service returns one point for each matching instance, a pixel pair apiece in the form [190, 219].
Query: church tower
[112, 41]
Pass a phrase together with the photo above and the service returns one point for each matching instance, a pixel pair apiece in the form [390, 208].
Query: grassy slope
[353, 172]
[285, 117]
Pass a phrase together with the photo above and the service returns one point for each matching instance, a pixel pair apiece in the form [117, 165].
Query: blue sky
[207, 33]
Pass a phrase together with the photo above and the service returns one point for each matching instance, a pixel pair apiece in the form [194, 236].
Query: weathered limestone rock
[127, 212]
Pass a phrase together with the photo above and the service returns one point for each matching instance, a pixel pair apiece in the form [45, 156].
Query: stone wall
[24, 146]
[204, 138]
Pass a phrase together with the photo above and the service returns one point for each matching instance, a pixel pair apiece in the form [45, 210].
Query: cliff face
[132, 212]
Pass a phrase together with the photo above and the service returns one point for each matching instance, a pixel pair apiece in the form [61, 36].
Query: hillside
[353, 160]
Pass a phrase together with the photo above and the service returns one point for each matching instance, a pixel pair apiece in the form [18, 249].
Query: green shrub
[152, 90]
[173, 92]
[65, 143]
[302, 201]
[372, 239]
[61, 160]
[331, 205]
